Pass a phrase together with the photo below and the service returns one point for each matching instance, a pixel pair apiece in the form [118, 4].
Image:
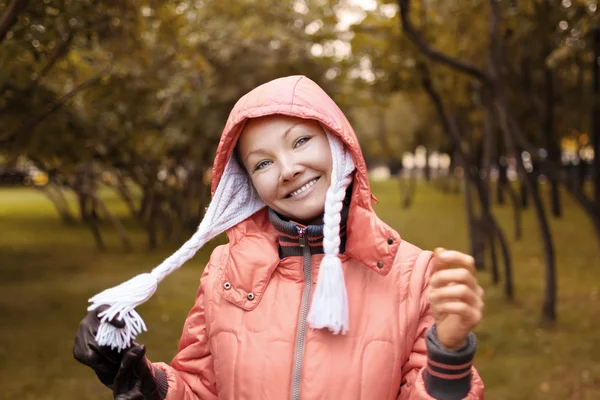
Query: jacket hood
[295, 96]
[374, 243]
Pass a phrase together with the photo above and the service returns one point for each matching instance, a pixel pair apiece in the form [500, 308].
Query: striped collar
[294, 236]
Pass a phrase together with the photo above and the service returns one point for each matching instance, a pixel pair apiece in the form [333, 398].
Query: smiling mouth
[304, 187]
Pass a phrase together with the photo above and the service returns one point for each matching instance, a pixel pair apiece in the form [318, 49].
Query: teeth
[303, 188]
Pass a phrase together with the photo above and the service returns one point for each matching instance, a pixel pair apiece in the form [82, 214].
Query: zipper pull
[302, 238]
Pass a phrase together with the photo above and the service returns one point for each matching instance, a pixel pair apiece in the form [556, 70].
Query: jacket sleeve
[191, 375]
[431, 371]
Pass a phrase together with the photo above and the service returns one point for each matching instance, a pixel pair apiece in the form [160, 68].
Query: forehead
[264, 130]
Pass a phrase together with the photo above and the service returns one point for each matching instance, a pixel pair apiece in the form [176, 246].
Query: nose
[290, 169]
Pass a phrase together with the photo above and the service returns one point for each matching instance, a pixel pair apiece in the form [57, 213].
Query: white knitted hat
[235, 200]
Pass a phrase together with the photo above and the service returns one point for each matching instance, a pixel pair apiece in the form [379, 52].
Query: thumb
[126, 384]
[133, 356]
[438, 264]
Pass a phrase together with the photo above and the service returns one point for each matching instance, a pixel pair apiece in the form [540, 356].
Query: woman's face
[289, 163]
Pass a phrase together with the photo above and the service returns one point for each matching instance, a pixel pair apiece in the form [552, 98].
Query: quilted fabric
[236, 346]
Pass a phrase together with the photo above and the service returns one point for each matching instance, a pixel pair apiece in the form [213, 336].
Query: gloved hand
[137, 379]
[128, 373]
[103, 360]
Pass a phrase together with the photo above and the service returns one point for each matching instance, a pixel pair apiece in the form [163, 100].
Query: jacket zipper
[301, 333]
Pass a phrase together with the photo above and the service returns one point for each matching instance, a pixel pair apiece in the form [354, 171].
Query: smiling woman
[314, 296]
[289, 163]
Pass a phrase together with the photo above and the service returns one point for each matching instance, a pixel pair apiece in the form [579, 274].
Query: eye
[261, 165]
[301, 141]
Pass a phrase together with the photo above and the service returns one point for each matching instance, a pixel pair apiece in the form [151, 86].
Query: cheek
[324, 160]
[266, 186]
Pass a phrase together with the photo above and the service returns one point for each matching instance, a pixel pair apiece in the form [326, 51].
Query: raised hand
[455, 297]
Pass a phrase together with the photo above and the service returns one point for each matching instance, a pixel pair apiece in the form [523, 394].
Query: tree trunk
[89, 220]
[427, 168]
[114, 220]
[580, 173]
[523, 190]
[470, 215]
[514, 199]
[588, 207]
[82, 203]
[121, 188]
[596, 120]
[60, 203]
[549, 306]
[529, 179]
[451, 128]
[411, 187]
[494, 260]
[502, 182]
[150, 218]
[551, 146]
[488, 155]
[487, 79]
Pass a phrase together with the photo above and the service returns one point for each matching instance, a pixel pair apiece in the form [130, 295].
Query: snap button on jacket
[239, 339]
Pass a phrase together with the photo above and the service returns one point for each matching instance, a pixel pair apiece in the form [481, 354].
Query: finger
[117, 322]
[86, 342]
[125, 381]
[437, 263]
[85, 348]
[133, 356]
[131, 395]
[448, 258]
[464, 310]
[454, 293]
[453, 276]
[480, 292]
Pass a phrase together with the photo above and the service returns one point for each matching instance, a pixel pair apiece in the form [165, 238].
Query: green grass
[48, 271]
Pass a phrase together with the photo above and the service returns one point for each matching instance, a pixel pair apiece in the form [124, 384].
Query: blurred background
[479, 119]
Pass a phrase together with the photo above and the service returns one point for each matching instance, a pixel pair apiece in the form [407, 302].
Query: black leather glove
[128, 373]
[103, 360]
[138, 379]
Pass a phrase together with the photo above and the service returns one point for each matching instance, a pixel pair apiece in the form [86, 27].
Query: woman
[314, 297]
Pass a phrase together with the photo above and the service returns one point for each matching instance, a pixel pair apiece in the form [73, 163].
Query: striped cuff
[162, 384]
[448, 373]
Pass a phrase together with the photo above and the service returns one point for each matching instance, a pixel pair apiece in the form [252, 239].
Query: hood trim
[369, 240]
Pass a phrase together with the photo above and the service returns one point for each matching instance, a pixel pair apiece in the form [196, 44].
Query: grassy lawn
[49, 270]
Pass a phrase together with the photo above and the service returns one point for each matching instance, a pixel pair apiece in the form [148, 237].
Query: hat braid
[330, 302]
[234, 200]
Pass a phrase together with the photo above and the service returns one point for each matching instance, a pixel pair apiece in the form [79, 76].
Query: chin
[311, 209]
[306, 216]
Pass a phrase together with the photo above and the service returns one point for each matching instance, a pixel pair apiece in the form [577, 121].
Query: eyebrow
[285, 134]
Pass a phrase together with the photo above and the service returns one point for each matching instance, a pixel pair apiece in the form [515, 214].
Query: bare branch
[514, 136]
[434, 54]
[451, 127]
[58, 54]
[10, 15]
[29, 124]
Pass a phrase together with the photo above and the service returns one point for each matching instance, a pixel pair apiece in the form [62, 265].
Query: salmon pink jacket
[246, 336]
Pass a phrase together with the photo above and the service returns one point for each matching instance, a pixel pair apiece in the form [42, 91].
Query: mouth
[303, 188]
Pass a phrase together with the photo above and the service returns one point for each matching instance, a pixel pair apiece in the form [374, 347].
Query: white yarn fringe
[120, 338]
[235, 200]
[122, 300]
[330, 302]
